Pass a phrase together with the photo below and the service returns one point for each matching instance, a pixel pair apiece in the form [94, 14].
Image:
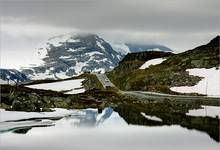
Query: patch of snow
[18, 115]
[79, 66]
[65, 57]
[61, 75]
[111, 67]
[72, 50]
[100, 45]
[76, 50]
[76, 91]
[211, 111]
[75, 86]
[153, 118]
[71, 59]
[94, 53]
[41, 76]
[209, 85]
[52, 62]
[105, 59]
[51, 68]
[3, 82]
[119, 57]
[42, 53]
[12, 72]
[101, 70]
[152, 62]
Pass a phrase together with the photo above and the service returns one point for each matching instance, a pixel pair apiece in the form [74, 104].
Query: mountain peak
[72, 54]
[215, 41]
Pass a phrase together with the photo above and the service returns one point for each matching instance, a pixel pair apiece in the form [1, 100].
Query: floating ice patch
[6, 126]
[152, 62]
[20, 115]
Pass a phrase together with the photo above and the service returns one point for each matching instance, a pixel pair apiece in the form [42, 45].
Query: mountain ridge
[170, 73]
[70, 55]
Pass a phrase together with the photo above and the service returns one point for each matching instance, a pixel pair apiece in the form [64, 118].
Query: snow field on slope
[152, 62]
[209, 85]
[72, 86]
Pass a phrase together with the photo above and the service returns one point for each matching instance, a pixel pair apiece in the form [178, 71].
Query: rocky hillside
[172, 72]
[11, 76]
[68, 55]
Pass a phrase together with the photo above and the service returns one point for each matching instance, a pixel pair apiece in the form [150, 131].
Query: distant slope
[172, 72]
[125, 48]
[147, 47]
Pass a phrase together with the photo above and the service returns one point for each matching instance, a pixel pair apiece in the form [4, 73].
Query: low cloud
[178, 24]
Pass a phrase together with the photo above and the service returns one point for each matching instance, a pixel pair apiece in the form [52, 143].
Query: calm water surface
[89, 129]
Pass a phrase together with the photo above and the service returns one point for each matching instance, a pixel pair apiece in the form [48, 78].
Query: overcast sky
[178, 24]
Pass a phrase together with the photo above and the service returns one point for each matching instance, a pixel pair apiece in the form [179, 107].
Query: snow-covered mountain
[11, 76]
[125, 48]
[72, 54]
[68, 55]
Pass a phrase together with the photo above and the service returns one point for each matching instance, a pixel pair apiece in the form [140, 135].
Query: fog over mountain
[180, 25]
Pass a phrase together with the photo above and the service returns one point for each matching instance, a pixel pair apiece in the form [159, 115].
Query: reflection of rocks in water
[132, 115]
[22, 131]
[91, 117]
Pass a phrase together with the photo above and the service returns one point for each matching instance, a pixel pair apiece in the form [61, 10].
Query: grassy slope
[171, 72]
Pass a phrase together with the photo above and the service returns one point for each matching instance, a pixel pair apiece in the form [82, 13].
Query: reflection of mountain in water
[133, 115]
[126, 114]
[91, 117]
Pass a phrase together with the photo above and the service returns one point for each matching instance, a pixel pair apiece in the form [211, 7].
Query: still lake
[89, 129]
